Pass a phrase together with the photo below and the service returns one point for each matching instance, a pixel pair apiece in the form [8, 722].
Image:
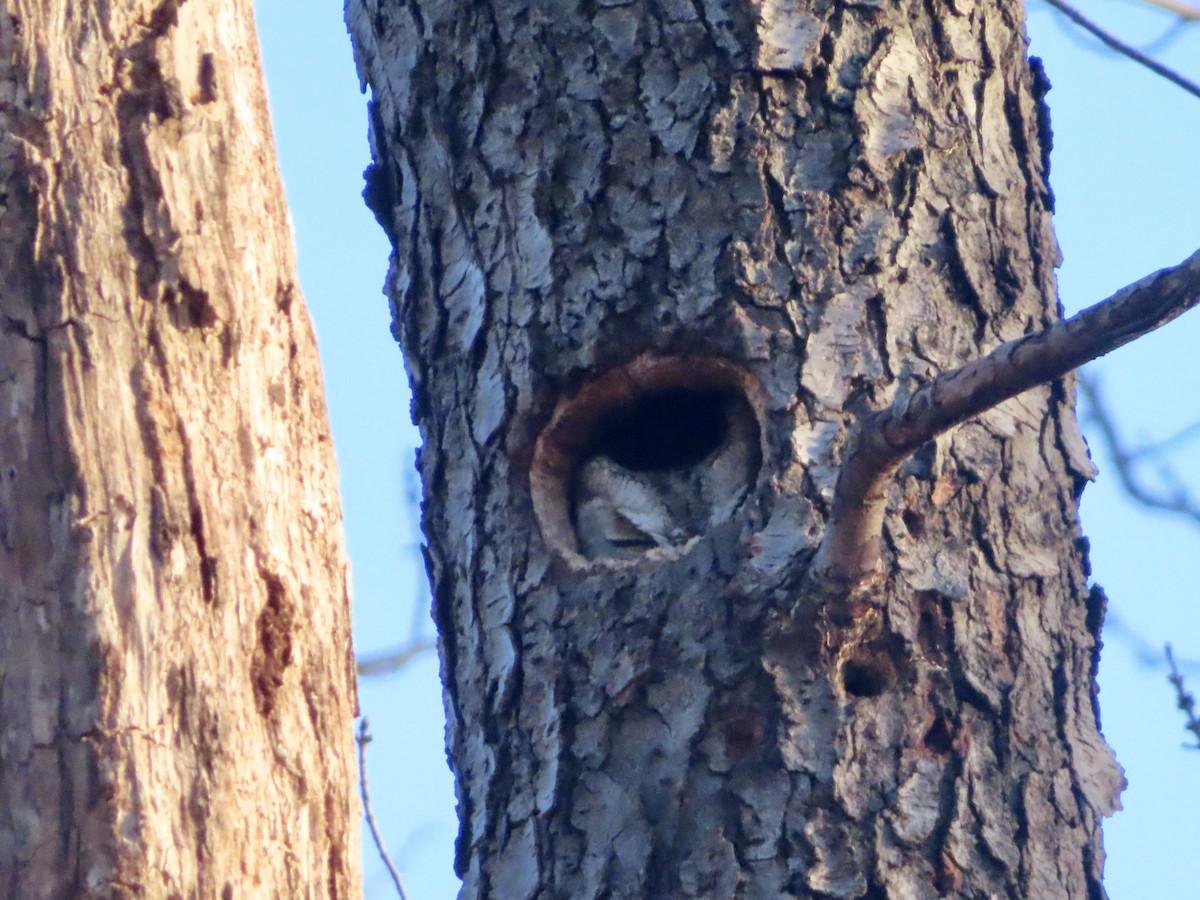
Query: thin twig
[1148, 655]
[849, 552]
[1175, 29]
[363, 738]
[1183, 10]
[1178, 501]
[388, 661]
[1125, 49]
[1157, 449]
[1184, 700]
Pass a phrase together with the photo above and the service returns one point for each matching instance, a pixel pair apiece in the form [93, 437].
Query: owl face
[687, 465]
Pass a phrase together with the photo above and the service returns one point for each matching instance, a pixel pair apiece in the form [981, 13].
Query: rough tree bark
[639, 244]
[176, 684]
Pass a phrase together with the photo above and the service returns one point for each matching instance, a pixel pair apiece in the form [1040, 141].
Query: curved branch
[1187, 12]
[1124, 459]
[849, 552]
[1123, 48]
[389, 661]
[1146, 654]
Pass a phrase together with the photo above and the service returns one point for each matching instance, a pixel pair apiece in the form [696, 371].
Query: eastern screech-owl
[620, 512]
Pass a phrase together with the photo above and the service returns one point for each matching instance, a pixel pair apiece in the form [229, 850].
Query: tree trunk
[652, 262]
[176, 684]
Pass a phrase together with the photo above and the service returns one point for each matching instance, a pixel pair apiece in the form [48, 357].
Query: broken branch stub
[849, 552]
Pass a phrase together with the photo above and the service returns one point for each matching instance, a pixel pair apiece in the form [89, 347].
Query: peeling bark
[837, 202]
[176, 683]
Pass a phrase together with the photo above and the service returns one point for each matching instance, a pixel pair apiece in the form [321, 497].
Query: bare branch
[1160, 448]
[1147, 654]
[389, 661]
[1184, 700]
[1125, 49]
[1178, 501]
[1183, 10]
[363, 738]
[849, 552]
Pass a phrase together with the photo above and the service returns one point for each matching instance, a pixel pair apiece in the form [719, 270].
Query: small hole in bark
[827, 49]
[939, 738]
[647, 456]
[273, 653]
[931, 625]
[867, 676]
[206, 78]
[915, 523]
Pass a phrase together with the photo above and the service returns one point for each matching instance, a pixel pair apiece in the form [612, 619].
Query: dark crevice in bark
[903, 188]
[146, 98]
[1040, 88]
[877, 320]
[964, 288]
[273, 651]
[196, 526]
[1025, 155]
[1097, 609]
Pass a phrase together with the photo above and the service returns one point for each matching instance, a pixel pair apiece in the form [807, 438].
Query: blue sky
[1126, 172]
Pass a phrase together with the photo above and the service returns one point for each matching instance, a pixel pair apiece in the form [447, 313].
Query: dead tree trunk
[652, 264]
[176, 685]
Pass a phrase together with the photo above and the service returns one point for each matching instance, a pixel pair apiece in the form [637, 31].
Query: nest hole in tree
[867, 674]
[647, 456]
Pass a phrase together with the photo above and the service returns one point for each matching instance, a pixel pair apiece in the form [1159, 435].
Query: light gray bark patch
[919, 804]
[618, 840]
[764, 798]
[887, 103]
[489, 400]
[835, 872]
[516, 872]
[787, 37]
[711, 870]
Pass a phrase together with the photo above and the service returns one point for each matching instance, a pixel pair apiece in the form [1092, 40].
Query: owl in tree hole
[626, 502]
